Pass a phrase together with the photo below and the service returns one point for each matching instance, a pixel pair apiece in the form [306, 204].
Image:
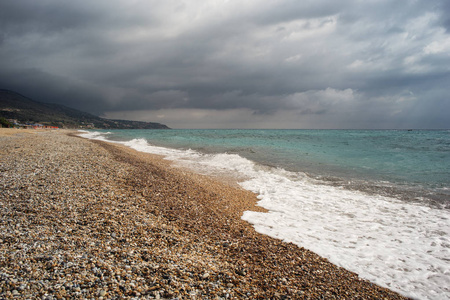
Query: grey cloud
[444, 9]
[262, 57]
[33, 17]
[44, 87]
[285, 11]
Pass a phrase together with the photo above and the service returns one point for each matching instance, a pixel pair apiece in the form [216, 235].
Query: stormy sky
[234, 64]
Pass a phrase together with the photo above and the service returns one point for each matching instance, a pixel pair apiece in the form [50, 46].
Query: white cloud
[300, 30]
[438, 46]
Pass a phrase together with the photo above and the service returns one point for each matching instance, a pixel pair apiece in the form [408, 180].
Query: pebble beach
[86, 219]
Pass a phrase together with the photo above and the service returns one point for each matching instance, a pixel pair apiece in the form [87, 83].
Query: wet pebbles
[82, 219]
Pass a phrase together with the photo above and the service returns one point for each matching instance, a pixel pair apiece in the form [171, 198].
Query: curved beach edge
[86, 218]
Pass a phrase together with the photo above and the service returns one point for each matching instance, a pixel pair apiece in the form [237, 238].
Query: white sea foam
[402, 246]
[94, 135]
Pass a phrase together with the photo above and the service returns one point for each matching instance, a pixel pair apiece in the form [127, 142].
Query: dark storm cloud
[304, 63]
[21, 17]
[444, 8]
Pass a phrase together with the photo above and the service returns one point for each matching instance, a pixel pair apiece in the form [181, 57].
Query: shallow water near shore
[374, 202]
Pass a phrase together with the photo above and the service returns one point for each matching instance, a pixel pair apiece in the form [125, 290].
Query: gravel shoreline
[83, 219]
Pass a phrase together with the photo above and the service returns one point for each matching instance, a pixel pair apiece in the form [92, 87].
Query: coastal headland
[89, 219]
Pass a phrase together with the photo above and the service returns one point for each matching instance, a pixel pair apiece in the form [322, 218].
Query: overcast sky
[234, 64]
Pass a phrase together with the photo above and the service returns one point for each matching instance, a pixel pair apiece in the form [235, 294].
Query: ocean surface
[376, 202]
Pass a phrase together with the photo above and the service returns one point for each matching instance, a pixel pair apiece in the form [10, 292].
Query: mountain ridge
[25, 110]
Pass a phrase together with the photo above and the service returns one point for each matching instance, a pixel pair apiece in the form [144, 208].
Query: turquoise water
[409, 164]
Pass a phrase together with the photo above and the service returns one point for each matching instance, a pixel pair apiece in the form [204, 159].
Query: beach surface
[88, 219]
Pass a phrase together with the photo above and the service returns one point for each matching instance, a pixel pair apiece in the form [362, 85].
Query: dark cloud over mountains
[251, 64]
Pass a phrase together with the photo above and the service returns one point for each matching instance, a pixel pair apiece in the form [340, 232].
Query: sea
[376, 202]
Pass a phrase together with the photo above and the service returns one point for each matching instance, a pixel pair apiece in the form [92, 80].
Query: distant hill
[17, 107]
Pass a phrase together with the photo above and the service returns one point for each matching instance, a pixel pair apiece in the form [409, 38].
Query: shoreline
[85, 218]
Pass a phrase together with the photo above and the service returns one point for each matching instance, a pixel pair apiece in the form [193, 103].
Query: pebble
[86, 219]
